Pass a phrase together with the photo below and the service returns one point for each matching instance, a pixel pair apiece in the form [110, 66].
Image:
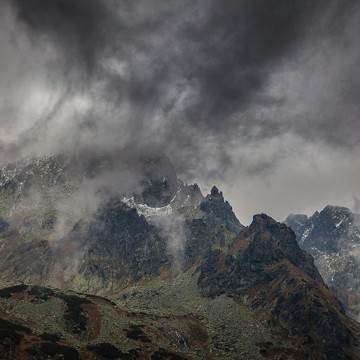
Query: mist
[258, 97]
[172, 229]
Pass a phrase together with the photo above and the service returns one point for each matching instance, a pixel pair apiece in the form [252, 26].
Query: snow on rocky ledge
[146, 210]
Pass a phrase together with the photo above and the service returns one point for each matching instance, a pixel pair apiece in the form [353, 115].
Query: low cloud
[172, 229]
[245, 94]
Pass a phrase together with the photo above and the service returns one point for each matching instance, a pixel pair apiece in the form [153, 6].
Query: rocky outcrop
[266, 266]
[187, 196]
[263, 243]
[328, 231]
[134, 238]
[296, 222]
[218, 212]
[332, 236]
[121, 246]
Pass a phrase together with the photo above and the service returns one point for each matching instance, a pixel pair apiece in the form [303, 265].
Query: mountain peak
[266, 266]
[332, 237]
[296, 221]
[116, 249]
[219, 212]
[336, 209]
[262, 221]
[215, 192]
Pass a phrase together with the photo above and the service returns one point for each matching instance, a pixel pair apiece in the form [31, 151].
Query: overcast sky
[260, 97]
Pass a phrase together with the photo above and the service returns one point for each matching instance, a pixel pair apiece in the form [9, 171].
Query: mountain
[332, 236]
[52, 234]
[95, 266]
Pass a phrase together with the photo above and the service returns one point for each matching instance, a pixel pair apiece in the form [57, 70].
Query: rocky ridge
[332, 236]
[179, 263]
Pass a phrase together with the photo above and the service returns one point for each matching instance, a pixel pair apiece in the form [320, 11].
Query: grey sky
[260, 97]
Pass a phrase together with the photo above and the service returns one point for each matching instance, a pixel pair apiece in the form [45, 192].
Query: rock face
[124, 240]
[266, 266]
[296, 222]
[333, 238]
[264, 243]
[219, 212]
[162, 244]
[328, 231]
[121, 246]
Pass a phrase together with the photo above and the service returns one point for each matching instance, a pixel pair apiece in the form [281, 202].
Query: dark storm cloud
[192, 77]
[80, 28]
[258, 96]
[226, 54]
[327, 100]
[235, 48]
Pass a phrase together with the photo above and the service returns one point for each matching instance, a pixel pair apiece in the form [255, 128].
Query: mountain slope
[261, 297]
[185, 278]
[41, 323]
[333, 238]
[280, 281]
[120, 238]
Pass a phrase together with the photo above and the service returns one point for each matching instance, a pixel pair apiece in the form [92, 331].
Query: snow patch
[146, 210]
[306, 233]
[339, 223]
